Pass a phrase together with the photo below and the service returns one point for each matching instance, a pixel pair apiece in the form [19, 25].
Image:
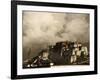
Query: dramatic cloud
[41, 29]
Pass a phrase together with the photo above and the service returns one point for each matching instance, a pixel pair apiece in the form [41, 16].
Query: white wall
[5, 30]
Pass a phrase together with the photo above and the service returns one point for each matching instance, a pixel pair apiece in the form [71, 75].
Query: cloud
[41, 29]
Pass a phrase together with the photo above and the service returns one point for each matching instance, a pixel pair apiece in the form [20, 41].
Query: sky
[41, 29]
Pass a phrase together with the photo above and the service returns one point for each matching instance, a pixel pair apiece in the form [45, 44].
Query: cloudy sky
[46, 28]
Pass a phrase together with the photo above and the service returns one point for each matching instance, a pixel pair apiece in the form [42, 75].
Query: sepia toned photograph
[55, 39]
[52, 39]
